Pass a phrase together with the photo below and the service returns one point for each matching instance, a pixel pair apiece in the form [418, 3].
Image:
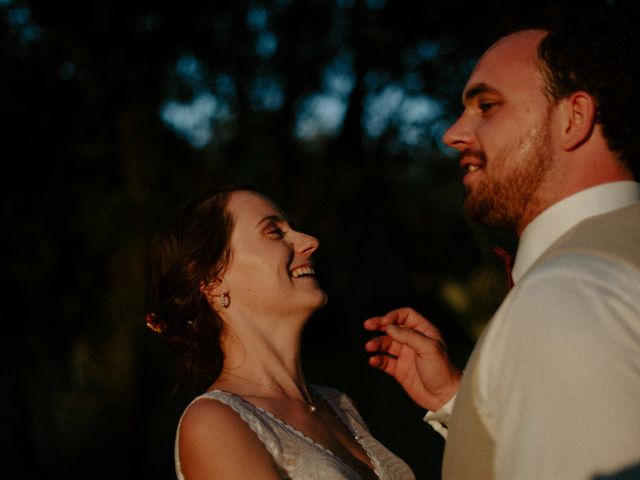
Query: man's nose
[459, 135]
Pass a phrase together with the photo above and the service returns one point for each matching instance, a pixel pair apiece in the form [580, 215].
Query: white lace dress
[298, 456]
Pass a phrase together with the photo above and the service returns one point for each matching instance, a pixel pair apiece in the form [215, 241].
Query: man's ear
[578, 112]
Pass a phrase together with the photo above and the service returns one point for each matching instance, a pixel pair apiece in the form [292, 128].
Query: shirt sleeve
[440, 418]
[560, 385]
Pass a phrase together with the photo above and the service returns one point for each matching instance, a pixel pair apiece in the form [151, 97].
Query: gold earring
[224, 300]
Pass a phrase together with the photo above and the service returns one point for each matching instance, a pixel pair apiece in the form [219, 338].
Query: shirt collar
[560, 217]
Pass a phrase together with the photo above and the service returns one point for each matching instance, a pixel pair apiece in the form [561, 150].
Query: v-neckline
[339, 414]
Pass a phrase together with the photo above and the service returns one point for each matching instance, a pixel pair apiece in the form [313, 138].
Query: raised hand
[414, 353]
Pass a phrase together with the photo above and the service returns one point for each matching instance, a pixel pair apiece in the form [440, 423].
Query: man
[549, 144]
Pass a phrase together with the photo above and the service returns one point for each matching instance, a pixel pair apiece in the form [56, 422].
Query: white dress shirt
[569, 407]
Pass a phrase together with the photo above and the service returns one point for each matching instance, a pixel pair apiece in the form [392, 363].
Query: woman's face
[270, 271]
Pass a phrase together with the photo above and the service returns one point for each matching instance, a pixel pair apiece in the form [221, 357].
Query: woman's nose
[305, 243]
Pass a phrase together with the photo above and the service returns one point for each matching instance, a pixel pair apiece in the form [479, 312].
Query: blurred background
[115, 111]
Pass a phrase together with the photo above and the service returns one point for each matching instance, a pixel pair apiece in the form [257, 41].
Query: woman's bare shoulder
[215, 442]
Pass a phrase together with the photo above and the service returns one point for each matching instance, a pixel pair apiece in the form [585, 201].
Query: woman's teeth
[300, 271]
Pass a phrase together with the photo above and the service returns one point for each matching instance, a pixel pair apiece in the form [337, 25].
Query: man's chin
[487, 214]
[475, 209]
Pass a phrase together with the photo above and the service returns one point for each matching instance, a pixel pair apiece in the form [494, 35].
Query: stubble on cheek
[512, 178]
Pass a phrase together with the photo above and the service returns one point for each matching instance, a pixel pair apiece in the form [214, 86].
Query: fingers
[380, 361]
[384, 345]
[406, 317]
[373, 323]
[373, 345]
[420, 343]
[384, 362]
[386, 352]
[398, 316]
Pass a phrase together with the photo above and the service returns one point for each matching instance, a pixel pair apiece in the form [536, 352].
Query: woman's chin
[319, 301]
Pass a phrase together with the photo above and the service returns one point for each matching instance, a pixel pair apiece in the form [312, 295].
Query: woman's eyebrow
[271, 218]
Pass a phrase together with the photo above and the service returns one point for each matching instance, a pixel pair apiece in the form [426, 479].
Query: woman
[234, 287]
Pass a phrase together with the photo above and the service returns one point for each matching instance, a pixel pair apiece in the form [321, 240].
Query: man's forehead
[521, 46]
[504, 62]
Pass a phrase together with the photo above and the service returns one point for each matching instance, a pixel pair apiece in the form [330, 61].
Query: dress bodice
[300, 457]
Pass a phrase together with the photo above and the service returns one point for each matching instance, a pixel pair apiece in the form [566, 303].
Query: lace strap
[251, 415]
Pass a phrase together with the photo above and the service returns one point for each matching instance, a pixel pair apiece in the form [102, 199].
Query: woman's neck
[261, 364]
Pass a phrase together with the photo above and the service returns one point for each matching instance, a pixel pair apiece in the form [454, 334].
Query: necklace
[304, 392]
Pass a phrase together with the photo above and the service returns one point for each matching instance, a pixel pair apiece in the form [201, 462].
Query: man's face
[503, 134]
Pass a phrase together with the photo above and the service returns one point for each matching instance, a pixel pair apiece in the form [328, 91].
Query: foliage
[114, 111]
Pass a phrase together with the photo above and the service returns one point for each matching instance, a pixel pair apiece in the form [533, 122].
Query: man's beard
[501, 201]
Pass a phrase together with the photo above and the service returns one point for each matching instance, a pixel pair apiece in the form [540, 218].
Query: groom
[549, 144]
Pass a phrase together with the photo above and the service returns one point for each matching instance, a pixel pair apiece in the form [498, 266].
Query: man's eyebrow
[271, 218]
[476, 90]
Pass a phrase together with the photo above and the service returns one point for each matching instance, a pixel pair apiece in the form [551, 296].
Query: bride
[234, 286]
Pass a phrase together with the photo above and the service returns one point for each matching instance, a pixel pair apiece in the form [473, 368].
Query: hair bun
[153, 323]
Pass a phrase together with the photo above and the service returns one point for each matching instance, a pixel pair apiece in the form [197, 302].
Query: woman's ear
[579, 112]
[211, 288]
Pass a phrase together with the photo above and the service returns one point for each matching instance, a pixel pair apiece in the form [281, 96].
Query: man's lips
[471, 163]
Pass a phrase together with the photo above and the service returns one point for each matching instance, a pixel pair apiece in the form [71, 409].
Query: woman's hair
[192, 248]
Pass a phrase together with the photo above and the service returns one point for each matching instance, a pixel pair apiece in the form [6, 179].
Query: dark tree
[114, 111]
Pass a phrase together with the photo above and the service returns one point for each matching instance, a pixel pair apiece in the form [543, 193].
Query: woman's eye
[276, 232]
